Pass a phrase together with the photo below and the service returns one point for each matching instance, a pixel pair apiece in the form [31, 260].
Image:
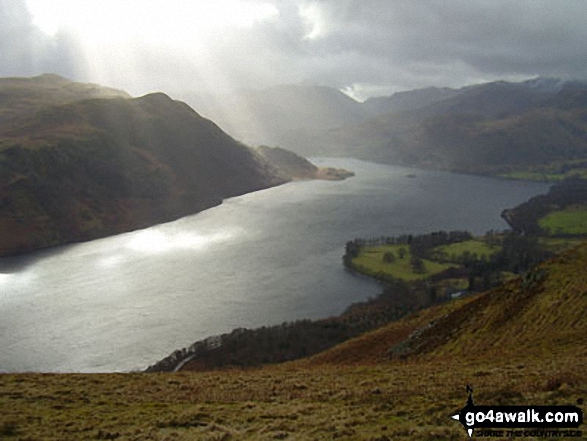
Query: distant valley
[501, 128]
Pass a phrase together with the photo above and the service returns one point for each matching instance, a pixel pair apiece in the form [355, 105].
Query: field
[557, 171]
[572, 221]
[370, 261]
[545, 177]
[455, 252]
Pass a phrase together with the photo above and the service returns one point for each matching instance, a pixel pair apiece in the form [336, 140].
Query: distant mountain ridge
[408, 100]
[287, 116]
[488, 128]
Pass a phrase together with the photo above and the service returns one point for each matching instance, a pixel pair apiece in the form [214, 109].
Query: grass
[403, 401]
[370, 262]
[455, 251]
[572, 220]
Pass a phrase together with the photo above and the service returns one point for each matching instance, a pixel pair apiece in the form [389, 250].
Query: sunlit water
[123, 302]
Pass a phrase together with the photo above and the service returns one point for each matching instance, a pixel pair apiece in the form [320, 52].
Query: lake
[122, 303]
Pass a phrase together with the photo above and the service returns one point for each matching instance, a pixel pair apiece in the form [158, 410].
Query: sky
[363, 47]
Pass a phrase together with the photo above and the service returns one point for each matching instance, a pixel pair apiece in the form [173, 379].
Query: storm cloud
[368, 47]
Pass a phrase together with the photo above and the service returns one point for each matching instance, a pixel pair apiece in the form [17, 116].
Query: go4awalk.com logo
[520, 421]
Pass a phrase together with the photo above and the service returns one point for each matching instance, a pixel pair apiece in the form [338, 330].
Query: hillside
[521, 344]
[288, 115]
[20, 96]
[408, 100]
[293, 166]
[538, 315]
[95, 167]
[497, 128]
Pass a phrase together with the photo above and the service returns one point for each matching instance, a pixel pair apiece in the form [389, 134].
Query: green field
[572, 220]
[557, 171]
[545, 177]
[370, 262]
[456, 251]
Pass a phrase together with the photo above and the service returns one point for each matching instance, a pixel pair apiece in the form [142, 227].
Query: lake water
[124, 302]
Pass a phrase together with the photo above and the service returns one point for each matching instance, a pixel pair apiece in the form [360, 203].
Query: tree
[417, 265]
[389, 257]
[401, 253]
[471, 282]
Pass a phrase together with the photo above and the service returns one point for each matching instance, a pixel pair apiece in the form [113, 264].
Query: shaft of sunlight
[183, 45]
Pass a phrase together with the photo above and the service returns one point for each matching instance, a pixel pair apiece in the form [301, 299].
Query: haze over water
[124, 302]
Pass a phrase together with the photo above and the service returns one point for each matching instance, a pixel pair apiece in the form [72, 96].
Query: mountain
[294, 167]
[289, 115]
[489, 129]
[293, 116]
[100, 166]
[489, 99]
[522, 344]
[408, 100]
[492, 128]
[496, 99]
[20, 96]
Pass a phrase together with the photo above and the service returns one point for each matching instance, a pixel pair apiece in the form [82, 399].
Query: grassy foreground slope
[522, 343]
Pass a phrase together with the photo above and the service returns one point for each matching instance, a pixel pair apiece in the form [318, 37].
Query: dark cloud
[486, 39]
[373, 46]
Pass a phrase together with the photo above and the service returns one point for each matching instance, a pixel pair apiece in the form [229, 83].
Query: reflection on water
[123, 302]
[152, 241]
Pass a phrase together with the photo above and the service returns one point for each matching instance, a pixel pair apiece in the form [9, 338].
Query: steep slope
[289, 115]
[102, 166]
[539, 315]
[292, 166]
